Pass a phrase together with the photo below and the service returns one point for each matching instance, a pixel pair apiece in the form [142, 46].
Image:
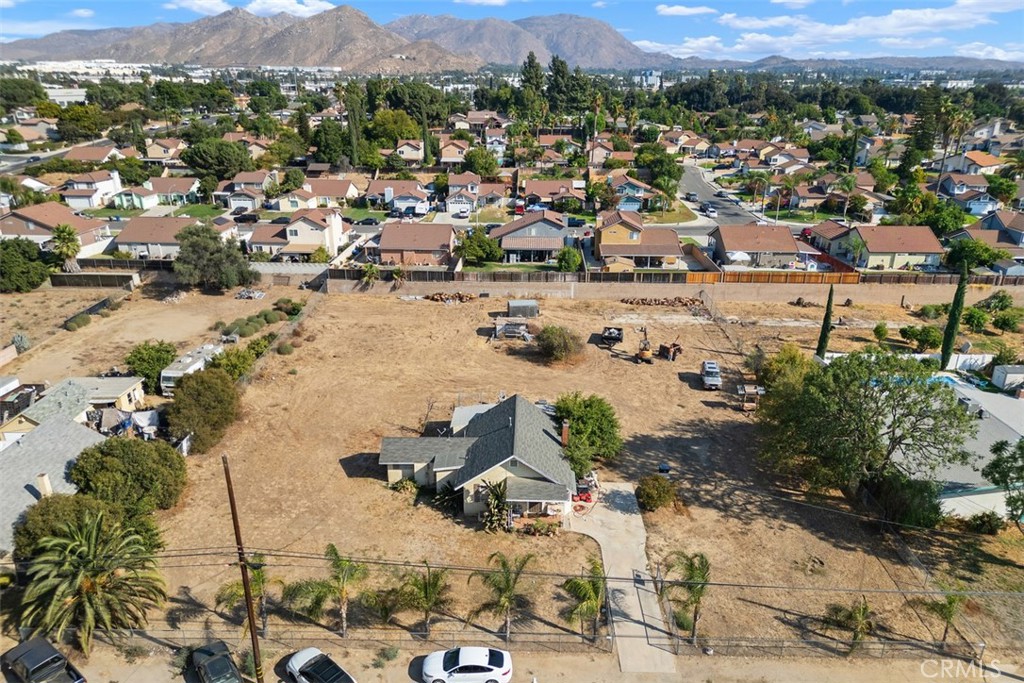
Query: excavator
[644, 353]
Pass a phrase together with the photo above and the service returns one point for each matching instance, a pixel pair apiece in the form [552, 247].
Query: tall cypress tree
[956, 309]
[428, 154]
[826, 326]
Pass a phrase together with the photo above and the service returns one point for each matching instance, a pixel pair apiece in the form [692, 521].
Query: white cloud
[792, 4]
[1012, 52]
[6, 4]
[911, 43]
[490, 3]
[706, 45]
[82, 13]
[298, 8]
[600, 4]
[735, 21]
[683, 10]
[208, 7]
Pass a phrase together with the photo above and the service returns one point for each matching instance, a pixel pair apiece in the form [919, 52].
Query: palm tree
[696, 571]
[312, 595]
[232, 594]
[398, 276]
[789, 184]
[66, 246]
[846, 184]
[856, 246]
[371, 273]
[667, 186]
[88, 577]
[588, 591]
[429, 591]
[757, 181]
[946, 609]
[385, 603]
[858, 619]
[1014, 166]
[503, 582]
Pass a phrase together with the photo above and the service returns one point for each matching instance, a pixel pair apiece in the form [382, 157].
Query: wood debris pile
[451, 297]
[695, 305]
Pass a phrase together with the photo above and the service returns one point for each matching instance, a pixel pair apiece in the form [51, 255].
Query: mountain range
[348, 39]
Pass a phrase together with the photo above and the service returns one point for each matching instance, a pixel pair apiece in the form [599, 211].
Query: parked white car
[468, 665]
[313, 666]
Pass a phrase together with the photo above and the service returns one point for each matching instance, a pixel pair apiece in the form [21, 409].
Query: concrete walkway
[641, 635]
[160, 210]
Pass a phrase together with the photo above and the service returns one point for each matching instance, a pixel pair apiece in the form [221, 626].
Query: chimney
[565, 433]
[43, 485]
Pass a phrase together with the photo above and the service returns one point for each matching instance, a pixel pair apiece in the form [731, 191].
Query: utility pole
[243, 566]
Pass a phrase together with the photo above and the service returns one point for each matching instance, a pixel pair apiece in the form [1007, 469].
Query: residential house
[754, 245]
[295, 200]
[397, 194]
[417, 244]
[973, 163]
[91, 190]
[255, 146]
[411, 151]
[623, 234]
[316, 169]
[166, 151]
[818, 130]
[136, 198]
[121, 393]
[694, 145]
[246, 190]
[175, 190]
[535, 237]
[157, 236]
[464, 181]
[633, 194]
[1009, 266]
[453, 152]
[889, 150]
[35, 129]
[553, 192]
[478, 120]
[969, 192]
[897, 247]
[869, 121]
[598, 152]
[549, 158]
[997, 239]
[247, 199]
[496, 141]
[491, 193]
[514, 442]
[331, 191]
[95, 154]
[37, 222]
[1011, 223]
[309, 230]
[830, 237]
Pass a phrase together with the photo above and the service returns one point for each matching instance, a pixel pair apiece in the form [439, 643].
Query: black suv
[247, 218]
[213, 664]
[37, 661]
[575, 222]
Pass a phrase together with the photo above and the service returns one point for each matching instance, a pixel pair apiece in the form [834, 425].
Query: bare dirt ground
[39, 314]
[304, 453]
[105, 341]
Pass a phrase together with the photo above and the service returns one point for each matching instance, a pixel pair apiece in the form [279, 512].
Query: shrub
[256, 320]
[21, 343]
[975, 319]
[988, 523]
[70, 327]
[1000, 300]
[47, 516]
[258, 347]
[288, 307]
[1006, 321]
[147, 360]
[931, 363]
[104, 313]
[247, 330]
[559, 343]
[914, 502]
[297, 343]
[405, 486]
[82, 319]
[236, 325]
[236, 361]
[285, 349]
[205, 404]
[219, 325]
[138, 476]
[881, 332]
[114, 304]
[929, 312]
[654, 492]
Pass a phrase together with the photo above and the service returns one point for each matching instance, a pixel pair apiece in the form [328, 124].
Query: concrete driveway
[641, 635]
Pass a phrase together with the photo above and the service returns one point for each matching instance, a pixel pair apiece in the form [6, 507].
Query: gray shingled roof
[106, 389]
[68, 399]
[405, 450]
[515, 427]
[48, 448]
[522, 490]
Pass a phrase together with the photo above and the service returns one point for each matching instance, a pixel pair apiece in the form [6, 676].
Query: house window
[293, 232]
[634, 235]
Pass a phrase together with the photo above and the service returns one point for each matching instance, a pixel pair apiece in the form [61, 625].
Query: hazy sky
[741, 29]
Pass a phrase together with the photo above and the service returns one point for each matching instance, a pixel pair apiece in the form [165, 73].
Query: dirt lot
[304, 453]
[103, 343]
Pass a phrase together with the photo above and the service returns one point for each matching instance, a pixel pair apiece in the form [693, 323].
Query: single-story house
[533, 238]
[96, 154]
[295, 200]
[892, 247]
[122, 393]
[156, 236]
[997, 239]
[136, 198]
[1008, 266]
[514, 441]
[36, 223]
[417, 244]
[397, 194]
[623, 234]
[331, 191]
[175, 190]
[759, 246]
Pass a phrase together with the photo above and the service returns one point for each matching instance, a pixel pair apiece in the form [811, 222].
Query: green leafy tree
[147, 360]
[695, 577]
[50, 514]
[1006, 470]
[925, 337]
[338, 589]
[320, 255]
[91, 577]
[569, 260]
[236, 361]
[859, 417]
[1003, 189]
[976, 319]
[21, 266]
[429, 592]
[14, 137]
[138, 476]
[593, 429]
[858, 619]
[503, 581]
[953, 323]
[826, 325]
[476, 247]
[205, 405]
[78, 122]
[205, 260]
[329, 140]
[588, 594]
[20, 92]
[881, 332]
[219, 158]
[65, 246]
[480, 161]
[973, 253]
[389, 126]
[293, 180]
[1007, 321]
[231, 595]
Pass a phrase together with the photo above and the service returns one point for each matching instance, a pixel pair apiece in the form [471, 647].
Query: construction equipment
[611, 336]
[670, 351]
[644, 353]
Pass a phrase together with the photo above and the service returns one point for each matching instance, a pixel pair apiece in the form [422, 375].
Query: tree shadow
[185, 608]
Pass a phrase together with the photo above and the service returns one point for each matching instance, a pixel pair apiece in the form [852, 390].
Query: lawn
[517, 267]
[271, 215]
[199, 211]
[679, 214]
[110, 213]
[490, 214]
[796, 216]
[356, 213]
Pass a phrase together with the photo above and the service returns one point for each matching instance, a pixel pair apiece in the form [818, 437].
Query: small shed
[1008, 376]
[523, 308]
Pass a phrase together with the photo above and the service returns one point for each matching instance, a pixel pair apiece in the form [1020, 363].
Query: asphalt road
[729, 213]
